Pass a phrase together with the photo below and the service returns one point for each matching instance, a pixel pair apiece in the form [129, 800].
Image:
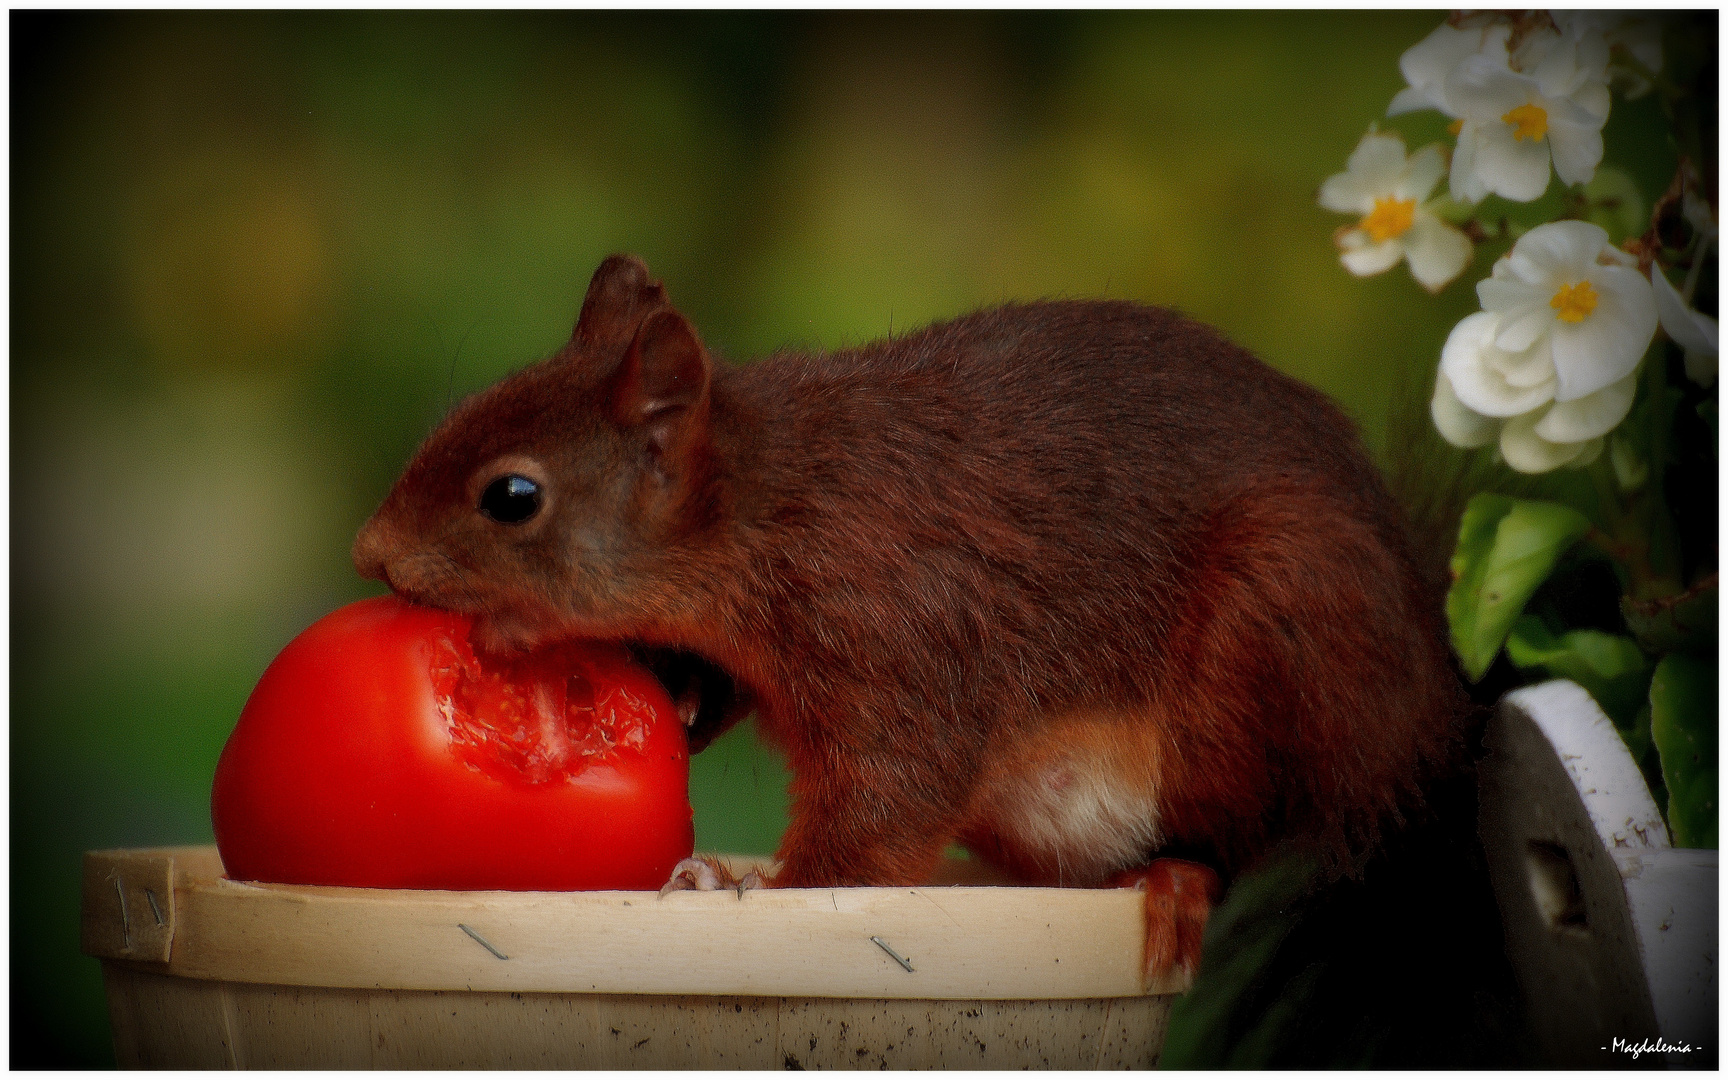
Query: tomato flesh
[534, 721]
[380, 750]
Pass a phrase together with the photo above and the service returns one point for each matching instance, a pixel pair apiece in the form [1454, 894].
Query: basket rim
[171, 910]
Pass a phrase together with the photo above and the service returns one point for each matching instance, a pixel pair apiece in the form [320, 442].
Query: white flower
[1697, 212]
[1516, 122]
[1526, 91]
[1456, 422]
[1549, 365]
[1391, 193]
[1427, 63]
[1638, 36]
[1568, 57]
[1564, 286]
[1691, 329]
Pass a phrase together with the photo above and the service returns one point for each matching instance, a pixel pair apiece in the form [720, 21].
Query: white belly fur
[1072, 804]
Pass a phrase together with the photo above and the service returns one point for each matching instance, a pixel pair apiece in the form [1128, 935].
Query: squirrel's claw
[708, 874]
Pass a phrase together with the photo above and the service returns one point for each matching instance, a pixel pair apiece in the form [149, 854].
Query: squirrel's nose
[372, 551]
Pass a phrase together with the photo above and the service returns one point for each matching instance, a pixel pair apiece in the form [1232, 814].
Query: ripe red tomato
[378, 750]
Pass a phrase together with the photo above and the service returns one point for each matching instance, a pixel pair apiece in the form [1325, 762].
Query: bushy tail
[1403, 966]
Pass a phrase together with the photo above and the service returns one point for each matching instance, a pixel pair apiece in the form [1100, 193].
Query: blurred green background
[255, 256]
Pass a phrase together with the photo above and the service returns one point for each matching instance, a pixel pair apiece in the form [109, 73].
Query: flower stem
[1634, 529]
[1649, 515]
[1691, 287]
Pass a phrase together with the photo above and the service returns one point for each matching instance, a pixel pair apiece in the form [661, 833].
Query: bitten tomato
[378, 750]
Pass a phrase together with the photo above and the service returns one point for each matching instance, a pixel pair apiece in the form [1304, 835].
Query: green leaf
[1683, 722]
[1612, 668]
[1243, 936]
[1506, 548]
[1476, 529]
[1643, 747]
[1684, 624]
[1258, 1047]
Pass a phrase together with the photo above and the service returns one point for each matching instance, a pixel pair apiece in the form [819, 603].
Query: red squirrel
[1071, 583]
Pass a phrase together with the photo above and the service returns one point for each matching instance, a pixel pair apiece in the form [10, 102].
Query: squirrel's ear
[619, 297]
[664, 376]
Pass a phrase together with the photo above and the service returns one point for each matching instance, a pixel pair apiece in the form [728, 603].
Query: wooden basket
[204, 972]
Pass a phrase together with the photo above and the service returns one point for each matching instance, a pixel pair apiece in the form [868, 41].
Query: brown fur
[924, 557]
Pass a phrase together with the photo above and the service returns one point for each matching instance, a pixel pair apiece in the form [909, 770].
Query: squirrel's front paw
[705, 873]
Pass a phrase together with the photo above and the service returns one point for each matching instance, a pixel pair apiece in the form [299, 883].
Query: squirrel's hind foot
[706, 873]
[1179, 899]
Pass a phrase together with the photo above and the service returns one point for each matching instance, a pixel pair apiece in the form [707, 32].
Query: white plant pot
[1610, 929]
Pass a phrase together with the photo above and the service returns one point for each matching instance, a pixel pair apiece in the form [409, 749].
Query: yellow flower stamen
[1391, 217]
[1574, 302]
[1455, 127]
[1528, 122]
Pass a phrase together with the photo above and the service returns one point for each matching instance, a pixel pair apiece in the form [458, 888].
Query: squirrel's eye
[510, 500]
